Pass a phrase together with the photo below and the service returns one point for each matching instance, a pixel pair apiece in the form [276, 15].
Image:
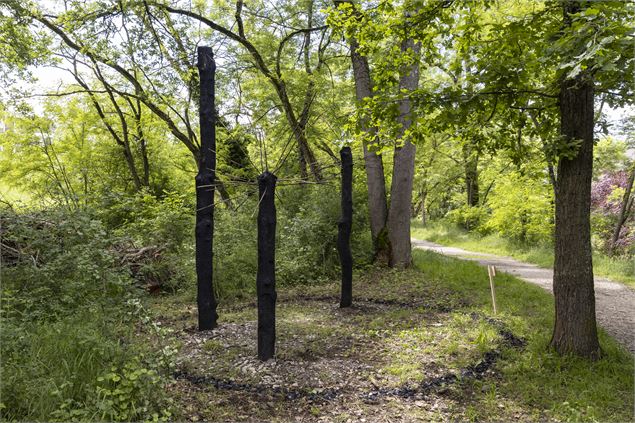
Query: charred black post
[266, 278]
[206, 300]
[344, 227]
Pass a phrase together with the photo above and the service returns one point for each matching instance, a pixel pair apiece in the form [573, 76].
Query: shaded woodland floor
[415, 346]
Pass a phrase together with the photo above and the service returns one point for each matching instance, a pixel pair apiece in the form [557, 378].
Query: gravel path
[614, 302]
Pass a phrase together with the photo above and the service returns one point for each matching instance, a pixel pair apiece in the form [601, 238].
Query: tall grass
[45, 364]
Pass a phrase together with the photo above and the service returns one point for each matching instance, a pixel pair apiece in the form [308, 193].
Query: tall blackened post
[344, 227]
[206, 300]
[266, 278]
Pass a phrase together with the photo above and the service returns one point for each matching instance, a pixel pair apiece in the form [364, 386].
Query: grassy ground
[420, 344]
[616, 269]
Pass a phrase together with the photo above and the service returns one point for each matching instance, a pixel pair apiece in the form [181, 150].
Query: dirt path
[615, 303]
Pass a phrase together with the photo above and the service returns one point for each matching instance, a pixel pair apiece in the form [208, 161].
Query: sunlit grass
[616, 269]
[568, 388]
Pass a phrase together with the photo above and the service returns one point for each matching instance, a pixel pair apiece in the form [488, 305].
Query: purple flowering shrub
[606, 201]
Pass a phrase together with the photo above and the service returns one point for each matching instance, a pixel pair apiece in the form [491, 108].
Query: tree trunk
[127, 153]
[143, 147]
[305, 154]
[575, 325]
[266, 277]
[224, 194]
[471, 176]
[403, 169]
[146, 162]
[345, 226]
[206, 301]
[373, 164]
[625, 210]
[304, 175]
[424, 216]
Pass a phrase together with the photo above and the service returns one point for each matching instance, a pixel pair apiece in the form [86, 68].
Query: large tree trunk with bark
[625, 211]
[373, 163]
[403, 169]
[345, 226]
[206, 301]
[575, 328]
[266, 277]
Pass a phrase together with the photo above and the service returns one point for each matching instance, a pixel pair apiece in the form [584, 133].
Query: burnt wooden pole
[344, 227]
[266, 278]
[206, 301]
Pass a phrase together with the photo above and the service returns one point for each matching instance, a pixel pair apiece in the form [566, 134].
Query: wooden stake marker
[491, 272]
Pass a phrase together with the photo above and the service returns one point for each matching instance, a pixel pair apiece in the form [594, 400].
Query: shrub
[55, 263]
[67, 321]
[469, 218]
[607, 195]
[157, 235]
[522, 209]
[305, 242]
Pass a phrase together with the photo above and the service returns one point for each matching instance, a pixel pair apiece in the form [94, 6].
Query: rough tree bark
[373, 163]
[575, 324]
[403, 168]
[266, 277]
[206, 301]
[344, 227]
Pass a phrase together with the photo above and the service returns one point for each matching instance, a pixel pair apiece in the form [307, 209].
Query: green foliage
[68, 159]
[308, 234]
[469, 218]
[68, 315]
[609, 155]
[163, 224]
[77, 369]
[522, 209]
[490, 74]
[56, 262]
[22, 46]
[305, 242]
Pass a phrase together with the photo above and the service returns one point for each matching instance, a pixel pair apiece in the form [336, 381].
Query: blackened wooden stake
[206, 301]
[266, 278]
[344, 227]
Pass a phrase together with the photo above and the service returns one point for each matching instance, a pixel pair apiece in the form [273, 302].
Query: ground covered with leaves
[418, 345]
